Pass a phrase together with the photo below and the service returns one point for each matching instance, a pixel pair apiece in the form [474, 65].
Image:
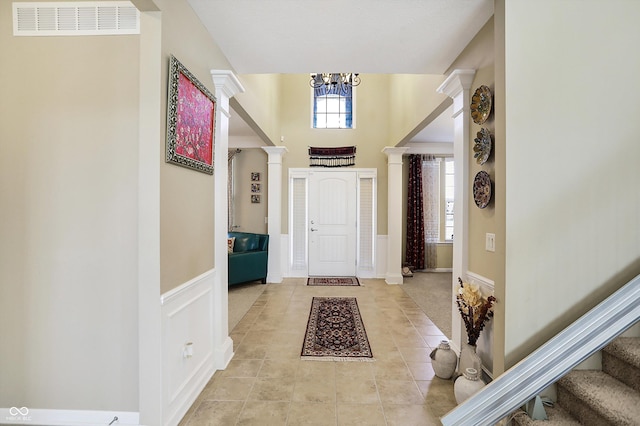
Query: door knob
[313, 229]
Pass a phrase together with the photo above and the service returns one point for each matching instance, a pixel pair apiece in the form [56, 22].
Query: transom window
[333, 107]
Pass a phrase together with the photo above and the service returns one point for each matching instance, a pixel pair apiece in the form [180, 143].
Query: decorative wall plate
[482, 189]
[481, 104]
[482, 148]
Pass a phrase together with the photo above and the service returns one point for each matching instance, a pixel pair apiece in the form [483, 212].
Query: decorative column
[227, 85]
[274, 211]
[457, 87]
[394, 215]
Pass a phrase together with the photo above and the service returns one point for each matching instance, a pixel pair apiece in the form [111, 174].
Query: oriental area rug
[335, 331]
[333, 281]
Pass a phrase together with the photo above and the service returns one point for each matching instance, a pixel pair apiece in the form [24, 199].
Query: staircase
[592, 397]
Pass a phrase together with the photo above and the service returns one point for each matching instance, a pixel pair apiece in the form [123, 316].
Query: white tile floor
[266, 383]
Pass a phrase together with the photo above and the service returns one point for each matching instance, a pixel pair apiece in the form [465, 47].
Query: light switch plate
[490, 242]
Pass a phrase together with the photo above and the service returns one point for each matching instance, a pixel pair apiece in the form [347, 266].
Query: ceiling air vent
[75, 18]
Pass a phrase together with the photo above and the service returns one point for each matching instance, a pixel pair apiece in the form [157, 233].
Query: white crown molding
[457, 81]
[394, 153]
[227, 82]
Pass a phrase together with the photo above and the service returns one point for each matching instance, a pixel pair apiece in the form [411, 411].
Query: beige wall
[482, 221]
[481, 54]
[68, 184]
[412, 97]
[250, 216]
[444, 253]
[186, 196]
[572, 230]
[260, 104]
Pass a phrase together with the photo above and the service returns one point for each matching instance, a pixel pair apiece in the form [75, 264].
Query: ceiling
[365, 36]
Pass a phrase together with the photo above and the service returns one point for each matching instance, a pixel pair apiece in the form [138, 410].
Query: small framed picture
[255, 199]
[255, 187]
[255, 176]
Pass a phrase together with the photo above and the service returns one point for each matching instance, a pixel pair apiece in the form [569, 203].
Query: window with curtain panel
[333, 106]
[430, 198]
[431, 207]
[231, 158]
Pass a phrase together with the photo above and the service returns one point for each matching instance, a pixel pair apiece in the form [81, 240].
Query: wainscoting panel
[187, 330]
[485, 342]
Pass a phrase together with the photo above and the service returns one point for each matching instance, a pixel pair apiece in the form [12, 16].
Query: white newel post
[394, 213]
[227, 85]
[274, 211]
[457, 86]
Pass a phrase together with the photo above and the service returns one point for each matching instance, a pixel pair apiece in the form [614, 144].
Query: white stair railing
[551, 361]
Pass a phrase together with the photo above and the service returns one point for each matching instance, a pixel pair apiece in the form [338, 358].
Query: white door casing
[365, 201]
[332, 223]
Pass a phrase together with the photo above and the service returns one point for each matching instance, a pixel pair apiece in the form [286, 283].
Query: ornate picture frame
[191, 112]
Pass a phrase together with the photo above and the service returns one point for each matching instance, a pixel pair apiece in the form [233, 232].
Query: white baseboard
[34, 416]
[188, 352]
[394, 279]
[223, 354]
[439, 270]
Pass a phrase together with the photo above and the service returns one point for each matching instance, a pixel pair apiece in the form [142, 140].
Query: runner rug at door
[333, 281]
[335, 331]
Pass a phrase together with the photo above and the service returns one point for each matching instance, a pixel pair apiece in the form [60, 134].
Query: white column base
[394, 279]
[222, 355]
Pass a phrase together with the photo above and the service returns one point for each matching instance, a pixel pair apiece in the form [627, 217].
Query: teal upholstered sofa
[248, 261]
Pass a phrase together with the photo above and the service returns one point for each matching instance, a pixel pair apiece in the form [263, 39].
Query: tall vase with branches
[476, 311]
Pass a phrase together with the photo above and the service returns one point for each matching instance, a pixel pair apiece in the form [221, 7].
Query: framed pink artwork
[190, 120]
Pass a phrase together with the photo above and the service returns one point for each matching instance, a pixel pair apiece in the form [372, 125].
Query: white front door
[332, 223]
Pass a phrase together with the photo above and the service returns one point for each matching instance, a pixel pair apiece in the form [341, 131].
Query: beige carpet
[432, 292]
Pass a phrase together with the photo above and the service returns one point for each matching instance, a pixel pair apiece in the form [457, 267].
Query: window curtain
[415, 250]
[431, 194]
[230, 202]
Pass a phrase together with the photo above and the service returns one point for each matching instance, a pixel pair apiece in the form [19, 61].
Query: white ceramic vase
[469, 358]
[444, 360]
[467, 384]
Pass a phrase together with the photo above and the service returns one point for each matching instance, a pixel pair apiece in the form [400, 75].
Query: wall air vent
[75, 18]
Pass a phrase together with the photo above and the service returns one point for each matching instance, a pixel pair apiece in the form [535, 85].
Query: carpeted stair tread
[626, 349]
[606, 396]
[556, 416]
[621, 359]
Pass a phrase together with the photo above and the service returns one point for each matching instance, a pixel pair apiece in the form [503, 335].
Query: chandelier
[341, 79]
